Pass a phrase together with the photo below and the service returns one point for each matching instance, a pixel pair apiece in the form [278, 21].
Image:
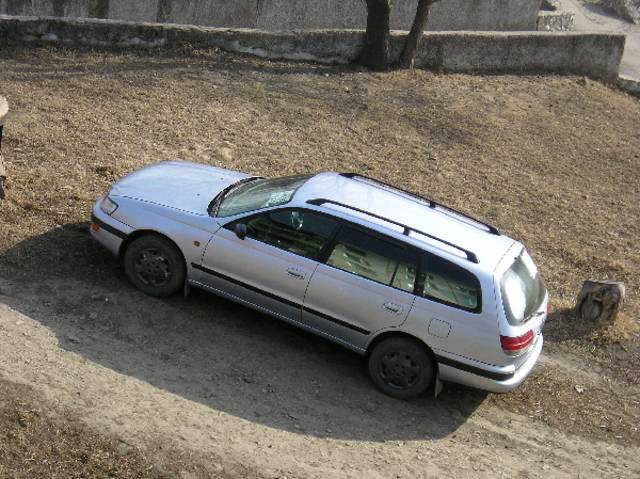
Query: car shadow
[210, 350]
[563, 325]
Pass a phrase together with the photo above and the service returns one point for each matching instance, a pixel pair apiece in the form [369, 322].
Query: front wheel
[401, 368]
[155, 266]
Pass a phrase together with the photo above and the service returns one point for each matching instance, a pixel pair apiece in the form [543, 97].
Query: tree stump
[600, 301]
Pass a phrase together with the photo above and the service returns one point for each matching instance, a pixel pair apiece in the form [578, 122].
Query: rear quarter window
[447, 283]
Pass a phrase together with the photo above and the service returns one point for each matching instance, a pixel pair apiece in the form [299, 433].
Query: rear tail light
[518, 345]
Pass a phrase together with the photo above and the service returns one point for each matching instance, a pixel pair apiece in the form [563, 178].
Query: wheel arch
[147, 232]
[400, 334]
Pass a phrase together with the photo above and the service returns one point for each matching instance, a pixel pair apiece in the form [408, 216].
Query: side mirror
[241, 230]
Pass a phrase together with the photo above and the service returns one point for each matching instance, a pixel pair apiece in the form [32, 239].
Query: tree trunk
[99, 9]
[164, 14]
[415, 35]
[59, 8]
[600, 301]
[375, 54]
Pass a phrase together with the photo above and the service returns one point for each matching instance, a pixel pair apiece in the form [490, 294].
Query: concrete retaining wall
[481, 15]
[288, 14]
[597, 55]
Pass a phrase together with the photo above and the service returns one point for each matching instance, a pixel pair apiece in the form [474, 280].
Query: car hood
[178, 185]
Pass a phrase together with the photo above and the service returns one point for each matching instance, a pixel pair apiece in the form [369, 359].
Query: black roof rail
[471, 256]
[432, 204]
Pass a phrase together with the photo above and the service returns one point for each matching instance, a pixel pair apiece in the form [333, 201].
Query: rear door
[270, 268]
[449, 308]
[366, 284]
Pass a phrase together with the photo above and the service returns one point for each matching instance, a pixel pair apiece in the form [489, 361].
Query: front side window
[259, 193]
[448, 283]
[373, 258]
[522, 289]
[298, 231]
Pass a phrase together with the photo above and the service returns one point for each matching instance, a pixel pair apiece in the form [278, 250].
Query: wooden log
[600, 301]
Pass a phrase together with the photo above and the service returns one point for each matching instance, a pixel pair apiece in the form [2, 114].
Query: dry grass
[554, 162]
[551, 161]
[34, 443]
[565, 402]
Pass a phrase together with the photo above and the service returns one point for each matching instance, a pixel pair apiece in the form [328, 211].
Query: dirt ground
[200, 387]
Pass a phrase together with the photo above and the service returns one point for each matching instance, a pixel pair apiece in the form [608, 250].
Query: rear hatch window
[522, 290]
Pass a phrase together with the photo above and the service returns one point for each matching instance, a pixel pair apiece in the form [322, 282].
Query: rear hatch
[524, 302]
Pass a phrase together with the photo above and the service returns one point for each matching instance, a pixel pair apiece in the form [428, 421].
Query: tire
[155, 266]
[401, 367]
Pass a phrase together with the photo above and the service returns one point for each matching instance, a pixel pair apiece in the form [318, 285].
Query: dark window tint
[371, 257]
[448, 283]
[296, 231]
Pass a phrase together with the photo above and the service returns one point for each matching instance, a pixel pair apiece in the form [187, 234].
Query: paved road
[596, 18]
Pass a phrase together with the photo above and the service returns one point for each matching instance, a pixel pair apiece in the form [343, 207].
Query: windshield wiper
[214, 205]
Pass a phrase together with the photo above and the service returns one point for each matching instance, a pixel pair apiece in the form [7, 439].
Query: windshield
[259, 193]
[522, 290]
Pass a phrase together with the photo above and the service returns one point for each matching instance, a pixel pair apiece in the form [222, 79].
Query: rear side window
[374, 258]
[297, 231]
[446, 282]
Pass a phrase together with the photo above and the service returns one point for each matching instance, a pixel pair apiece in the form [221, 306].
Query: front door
[270, 268]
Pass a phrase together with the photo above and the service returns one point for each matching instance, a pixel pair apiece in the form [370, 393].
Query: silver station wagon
[427, 294]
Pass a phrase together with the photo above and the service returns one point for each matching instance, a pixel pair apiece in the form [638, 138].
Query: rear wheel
[155, 266]
[401, 367]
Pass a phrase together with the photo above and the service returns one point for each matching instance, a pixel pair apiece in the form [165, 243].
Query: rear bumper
[497, 380]
[108, 232]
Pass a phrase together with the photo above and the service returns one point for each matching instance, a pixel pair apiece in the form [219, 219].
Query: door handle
[393, 307]
[296, 273]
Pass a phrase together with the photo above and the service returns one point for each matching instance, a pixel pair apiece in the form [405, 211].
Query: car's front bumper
[107, 231]
[512, 378]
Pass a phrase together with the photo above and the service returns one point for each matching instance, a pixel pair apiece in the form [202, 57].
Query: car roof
[402, 213]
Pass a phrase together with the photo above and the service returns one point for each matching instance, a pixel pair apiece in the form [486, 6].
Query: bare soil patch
[35, 442]
[552, 161]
